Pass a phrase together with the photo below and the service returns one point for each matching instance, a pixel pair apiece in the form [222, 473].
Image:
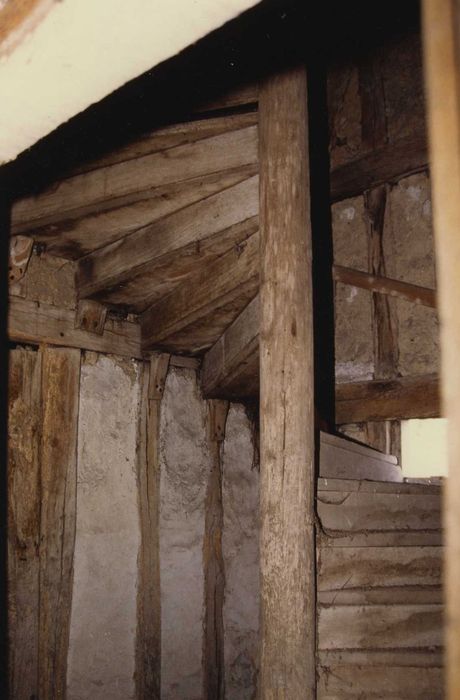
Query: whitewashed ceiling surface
[65, 55]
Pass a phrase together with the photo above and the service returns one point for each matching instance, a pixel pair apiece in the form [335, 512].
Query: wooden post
[441, 36]
[286, 408]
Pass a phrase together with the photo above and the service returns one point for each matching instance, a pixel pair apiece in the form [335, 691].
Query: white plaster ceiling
[72, 53]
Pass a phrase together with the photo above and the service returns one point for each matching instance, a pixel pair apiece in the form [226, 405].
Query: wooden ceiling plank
[112, 265]
[227, 286]
[171, 136]
[231, 366]
[75, 238]
[88, 192]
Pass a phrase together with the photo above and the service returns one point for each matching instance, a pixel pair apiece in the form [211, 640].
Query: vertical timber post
[288, 614]
[441, 38]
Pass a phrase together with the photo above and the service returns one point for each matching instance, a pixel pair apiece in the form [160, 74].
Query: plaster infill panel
[103, 621]
[184, 467]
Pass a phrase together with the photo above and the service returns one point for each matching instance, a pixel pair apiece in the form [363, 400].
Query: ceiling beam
[196, 313]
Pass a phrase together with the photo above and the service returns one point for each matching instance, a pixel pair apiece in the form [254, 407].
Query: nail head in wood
[91, 316]
[159, 363]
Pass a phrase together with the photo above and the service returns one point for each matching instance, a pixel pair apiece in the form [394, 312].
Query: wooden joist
[231, 366]
[191, 317]
[385, 285]
[392, 161]
[74, 238]
[230, 370]
[388, 399]
[140, 268]
[121, 182]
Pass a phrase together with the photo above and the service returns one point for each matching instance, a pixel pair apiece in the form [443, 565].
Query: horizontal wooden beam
[231, 371]
[231, 366]
[120, 183]
[151, 253]
[388, 399]
[385, 285]
[390, 162]
[39, 323]
[195, 314]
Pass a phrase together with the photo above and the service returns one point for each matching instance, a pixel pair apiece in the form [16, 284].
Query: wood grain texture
[231, 366]
[386, 286]
[60, 396]
[24, 520]
[74, 238]
[35, 322]
[115, 184]
[388, 399]
[193, 315]
[148, 641]
[213, 562]
[390, 682]
[287, 545]
[138, 267]
[441, 41]
[389, 163]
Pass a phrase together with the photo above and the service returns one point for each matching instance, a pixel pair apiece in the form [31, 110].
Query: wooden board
[231, 366]
[35, 322]
[24, 520]
[358, 511]
[117, 184]
[341, 458]
[393, 682]
[137, 270]
[60, 396]
[194, 315]
[378, 567]
[74, 238]
[380, 626]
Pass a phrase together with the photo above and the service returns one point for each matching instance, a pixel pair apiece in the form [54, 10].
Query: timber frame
[204, 261]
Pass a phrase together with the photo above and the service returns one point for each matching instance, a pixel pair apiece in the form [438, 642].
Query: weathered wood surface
[213, 562]
[441, 41]
[195, 314]
[58, 482]
[20, 252]
[359, 511]
[340, 458]
[35, 322]
[389, 163]
[118, 183]
[91, 316]
[148, 647]
[380, 626]
[391, 682]
[24, 520]
[386, 286]
[231, 366]
[377, 567]
[140, 268]
[388, 399]
[287, 544]
[74, 238]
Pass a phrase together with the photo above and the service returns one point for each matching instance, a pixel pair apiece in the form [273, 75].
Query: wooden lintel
[36, 323]
[91, 316]
[385, 285]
